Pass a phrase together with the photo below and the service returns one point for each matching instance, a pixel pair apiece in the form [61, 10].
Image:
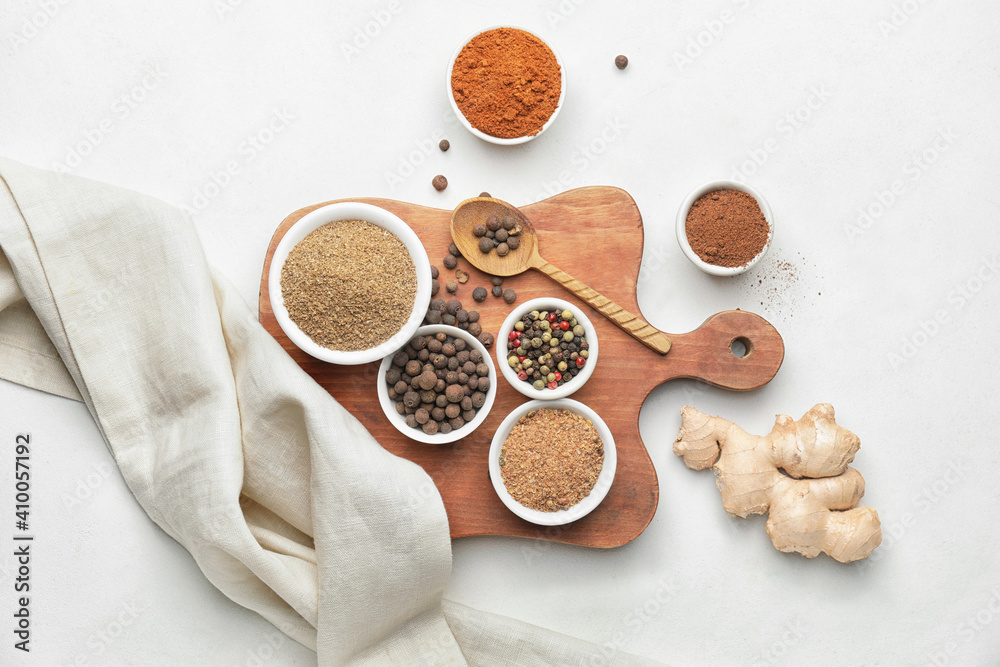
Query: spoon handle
[635, 326]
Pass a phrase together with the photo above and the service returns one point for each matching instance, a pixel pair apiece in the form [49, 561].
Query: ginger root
[798, 474]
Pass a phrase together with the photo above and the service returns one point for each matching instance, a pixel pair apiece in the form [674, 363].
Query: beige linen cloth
[285, 501]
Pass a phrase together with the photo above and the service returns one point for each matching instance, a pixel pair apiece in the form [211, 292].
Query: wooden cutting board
[594, 234]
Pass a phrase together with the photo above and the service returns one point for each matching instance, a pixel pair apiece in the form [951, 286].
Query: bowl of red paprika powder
[506, 85]
[725, 227]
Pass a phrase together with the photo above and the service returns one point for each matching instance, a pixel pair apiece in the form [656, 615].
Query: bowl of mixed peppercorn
[547, 348]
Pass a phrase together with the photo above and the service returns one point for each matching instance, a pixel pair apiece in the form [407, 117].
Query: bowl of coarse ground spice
[349, 283]
[725, 227]
[552, 462]
[506, 85]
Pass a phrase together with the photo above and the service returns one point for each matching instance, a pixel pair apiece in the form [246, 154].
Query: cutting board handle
[709, 353]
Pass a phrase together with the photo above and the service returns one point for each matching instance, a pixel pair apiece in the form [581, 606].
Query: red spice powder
[727, 228]
[506, 82]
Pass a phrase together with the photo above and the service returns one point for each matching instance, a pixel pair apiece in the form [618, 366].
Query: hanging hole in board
[741, 347]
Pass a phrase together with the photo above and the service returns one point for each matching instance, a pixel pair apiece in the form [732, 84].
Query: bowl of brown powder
[552, 462]
[725, 227]
[506, 85]
[349, 283]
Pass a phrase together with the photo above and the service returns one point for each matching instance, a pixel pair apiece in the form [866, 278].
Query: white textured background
[889, 107]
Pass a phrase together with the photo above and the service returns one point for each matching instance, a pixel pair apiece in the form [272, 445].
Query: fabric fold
[285, 501]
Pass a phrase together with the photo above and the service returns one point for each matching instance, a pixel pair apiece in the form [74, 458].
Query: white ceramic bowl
[399, 421]
[604, 479]
[350, 211]
[550, 304]
[682, 238]
[479, 133]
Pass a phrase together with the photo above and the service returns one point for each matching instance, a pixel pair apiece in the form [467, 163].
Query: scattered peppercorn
[497, 291]
[479, 230]
[485, 194]
[451, 286]
[461, 276]
[434, 271]
[449, 261]
[509, 295]
[497, 280]
[485, 245]
[453, 250]
[621, 62]
[444, 145]
[450, 312]
[479, 294]
[502, 249]
[439, 182]
[435, 287]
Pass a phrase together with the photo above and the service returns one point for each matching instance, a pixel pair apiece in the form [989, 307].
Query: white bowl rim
[398, 421]
[350, 211]
[604, 480]
[488, 137]
[685, 207]
[564, 390]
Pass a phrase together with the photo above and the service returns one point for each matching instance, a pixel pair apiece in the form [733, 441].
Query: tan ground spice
[551, 459]
[727, 228]
[506, 82]
[349, 285]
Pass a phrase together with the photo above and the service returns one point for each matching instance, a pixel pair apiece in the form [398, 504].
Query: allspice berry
[439, 182]
[479, 294]
[621, 62]
[444, 145]
[509, 295]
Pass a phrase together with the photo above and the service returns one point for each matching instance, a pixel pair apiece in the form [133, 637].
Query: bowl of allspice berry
[438, 387]
[506, 85]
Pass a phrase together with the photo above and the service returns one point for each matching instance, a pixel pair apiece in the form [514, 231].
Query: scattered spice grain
[621, 62]
[439, 182]
[349, 285]
[551, 459]
[444, 145]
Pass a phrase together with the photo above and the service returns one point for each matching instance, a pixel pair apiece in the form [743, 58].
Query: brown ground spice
[551, 459]
[506, 82]
[349, 285]
[727, 228]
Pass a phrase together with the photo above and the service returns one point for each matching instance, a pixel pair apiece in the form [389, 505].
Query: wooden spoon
[474, 211]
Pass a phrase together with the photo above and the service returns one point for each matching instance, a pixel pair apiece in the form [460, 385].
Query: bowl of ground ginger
[552, 462]
[349, 283]
[506, 85]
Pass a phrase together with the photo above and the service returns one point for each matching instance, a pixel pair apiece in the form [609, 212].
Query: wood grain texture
[595, 233]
